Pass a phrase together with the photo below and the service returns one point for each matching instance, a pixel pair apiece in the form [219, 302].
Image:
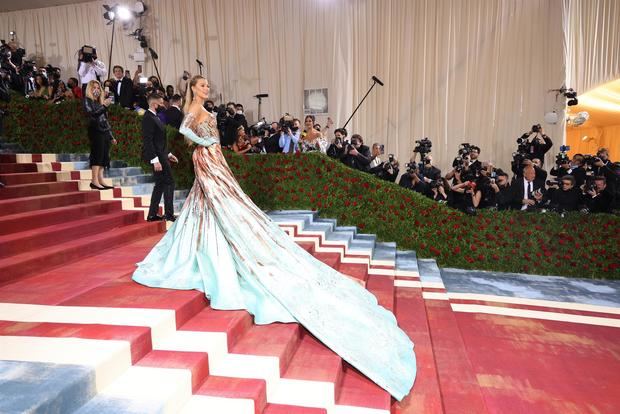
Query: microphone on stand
[199, 62]
[374, 78]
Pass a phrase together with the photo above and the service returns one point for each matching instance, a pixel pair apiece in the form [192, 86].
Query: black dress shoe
[94, 187]
[170, 217]
[154, 218]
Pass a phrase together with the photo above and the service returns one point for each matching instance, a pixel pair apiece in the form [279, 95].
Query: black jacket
[361, 161]
[153, 138]
[579, 173]
[538, 150]
[602, 203]
[125, 99]
[97, 115]
[517, 190]
[560, 200]
[174, 117]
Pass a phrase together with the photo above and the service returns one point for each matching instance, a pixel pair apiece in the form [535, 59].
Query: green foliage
[575, 245]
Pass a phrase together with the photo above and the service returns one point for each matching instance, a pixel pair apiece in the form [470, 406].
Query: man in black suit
[527, 192]
[174, 115]
[122, 88]
[155, 151]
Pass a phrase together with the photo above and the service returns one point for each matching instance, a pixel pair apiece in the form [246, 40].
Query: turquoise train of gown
[225, 246]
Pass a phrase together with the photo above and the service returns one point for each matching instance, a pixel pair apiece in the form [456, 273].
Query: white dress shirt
[90, 71]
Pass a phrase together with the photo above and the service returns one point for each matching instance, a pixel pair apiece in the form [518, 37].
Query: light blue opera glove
[198, 140]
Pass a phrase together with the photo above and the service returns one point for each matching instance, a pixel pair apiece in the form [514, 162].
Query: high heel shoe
[94, 187]
[107, 187]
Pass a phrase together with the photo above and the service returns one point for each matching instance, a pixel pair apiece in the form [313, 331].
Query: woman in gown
[225, 246]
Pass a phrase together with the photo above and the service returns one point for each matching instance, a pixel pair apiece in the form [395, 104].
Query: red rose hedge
[512, 241]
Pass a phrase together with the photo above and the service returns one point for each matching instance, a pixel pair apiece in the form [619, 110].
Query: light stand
[155, 57]
[260, 97]
[375, 80]
[111, 45]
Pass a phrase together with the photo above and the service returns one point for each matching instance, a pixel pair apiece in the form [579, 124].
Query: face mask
[294, 128]
[240, 112]
[96, 93]
[210, 108]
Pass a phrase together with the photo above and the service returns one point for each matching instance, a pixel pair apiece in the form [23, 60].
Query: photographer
[229, 121]
[428, 172]
[465, 196]
[385, 170]
[272, 138]
[527, 191]
[474, 153]
[357, 155]
[90, 67]
[412, 181]
[597, 196]
[437, 190]
[565, 167]
[337, 147]
[289, 138]
[565, 198]
[501, 186]
[602, 166]
[538, 143]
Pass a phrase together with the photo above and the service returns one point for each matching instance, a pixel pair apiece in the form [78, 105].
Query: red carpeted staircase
[67, 300]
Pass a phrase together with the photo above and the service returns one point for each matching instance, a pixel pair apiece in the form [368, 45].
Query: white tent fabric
[473, 71]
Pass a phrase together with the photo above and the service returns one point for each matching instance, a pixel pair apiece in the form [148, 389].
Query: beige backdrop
[470, 70]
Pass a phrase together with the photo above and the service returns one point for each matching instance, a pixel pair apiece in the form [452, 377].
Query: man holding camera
[538, 143]
[603, 167]
[412, 181]
[337, 147]
[385, 170]
[357, 155]
[90, 67]
[527, 192]
[501, 186]
[597, 196]
[565, 198]
[289, 138]
[574, 168]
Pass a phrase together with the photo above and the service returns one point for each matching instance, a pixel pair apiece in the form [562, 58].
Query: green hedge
[575, 245]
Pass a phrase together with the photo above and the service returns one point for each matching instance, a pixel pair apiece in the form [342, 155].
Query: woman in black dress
[99, 133]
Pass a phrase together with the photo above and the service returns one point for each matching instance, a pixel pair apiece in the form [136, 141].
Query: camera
[464, 149]
[382, 148]
[589, 160]
[411, 167]
[391, 158]
[436, 183]
[553, 183]
[286, 122]
[260, 128]
[89, 54]
[423, 146]
[536, 128]
[562, 157]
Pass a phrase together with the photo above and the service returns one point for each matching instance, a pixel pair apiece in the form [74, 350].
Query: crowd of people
[586, 183]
